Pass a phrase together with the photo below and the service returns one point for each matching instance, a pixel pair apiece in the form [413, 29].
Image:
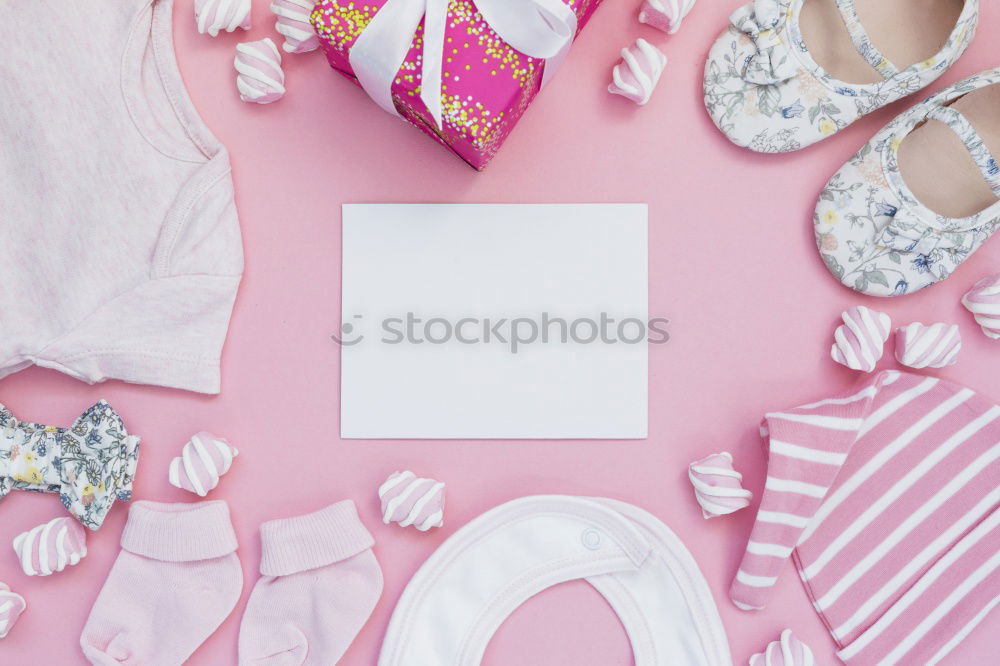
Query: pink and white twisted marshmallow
[51, 547]
[860, 340]
[260, 78]
[293, 23]
[203, 460]
[12, 605]
[665, 15]
[410, 500]
[934, 346]
[983, 301]
[211, 16]
[636, 75]
[786, 651]
[717, 486]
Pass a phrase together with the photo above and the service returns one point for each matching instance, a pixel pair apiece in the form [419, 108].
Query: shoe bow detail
[908, 233]
[761, 20]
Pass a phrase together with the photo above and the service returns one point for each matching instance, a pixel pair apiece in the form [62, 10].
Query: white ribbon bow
[538, 28]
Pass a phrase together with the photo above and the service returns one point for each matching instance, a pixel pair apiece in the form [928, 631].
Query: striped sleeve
[806, 447]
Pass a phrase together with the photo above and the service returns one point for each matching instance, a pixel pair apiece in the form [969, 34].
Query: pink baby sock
[175, 581]
[320, 581]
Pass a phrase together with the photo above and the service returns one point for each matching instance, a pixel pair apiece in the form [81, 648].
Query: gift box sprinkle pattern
[486, 83]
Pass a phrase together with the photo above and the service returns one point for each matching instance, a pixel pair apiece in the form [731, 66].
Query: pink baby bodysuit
[121, 244]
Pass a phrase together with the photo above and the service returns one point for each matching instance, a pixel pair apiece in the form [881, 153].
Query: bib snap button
[591, 539]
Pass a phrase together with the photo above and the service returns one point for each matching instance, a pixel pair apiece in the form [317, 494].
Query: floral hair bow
[773, 62]
[909, 234]
[90, 464]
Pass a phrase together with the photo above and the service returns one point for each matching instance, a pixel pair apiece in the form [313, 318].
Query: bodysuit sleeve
[168, 329]
[806, 448]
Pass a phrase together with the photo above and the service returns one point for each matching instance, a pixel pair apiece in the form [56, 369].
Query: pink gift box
[486, 83]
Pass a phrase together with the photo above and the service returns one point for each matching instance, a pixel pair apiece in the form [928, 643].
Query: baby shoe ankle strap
[975, 144]
[866, 49]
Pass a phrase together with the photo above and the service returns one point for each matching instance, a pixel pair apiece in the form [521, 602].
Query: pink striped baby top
[888, 501]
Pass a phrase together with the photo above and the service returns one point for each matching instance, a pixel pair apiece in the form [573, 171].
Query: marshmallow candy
[860, 340]
[983, 301]
[934, 346]
[293, 23]
[717, 486]
[410, 500]
[11, 607]
[665, 15]
[51, 547]
[259, 76]
[203, 460]
[212, 16]
[786, 651]
[636, 75]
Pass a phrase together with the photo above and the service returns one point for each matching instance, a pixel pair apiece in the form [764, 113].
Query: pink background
[732, 264]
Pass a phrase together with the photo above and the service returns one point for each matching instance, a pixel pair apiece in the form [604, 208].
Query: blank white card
[494, 321]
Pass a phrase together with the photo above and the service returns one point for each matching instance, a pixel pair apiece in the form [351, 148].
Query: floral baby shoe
[766, 93]
[871, 231]
[90, 464]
